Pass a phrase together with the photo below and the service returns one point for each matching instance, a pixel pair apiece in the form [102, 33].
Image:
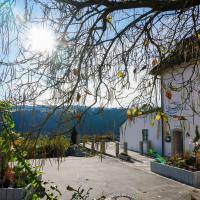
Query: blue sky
[18, 12]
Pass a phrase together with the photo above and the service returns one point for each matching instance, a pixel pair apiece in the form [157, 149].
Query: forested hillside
[33, 119]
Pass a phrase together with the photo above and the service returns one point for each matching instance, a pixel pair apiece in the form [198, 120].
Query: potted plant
[18, 178]
[184, 168]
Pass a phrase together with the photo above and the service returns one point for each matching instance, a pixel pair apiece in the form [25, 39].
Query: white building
[180, 100]
[140, 130]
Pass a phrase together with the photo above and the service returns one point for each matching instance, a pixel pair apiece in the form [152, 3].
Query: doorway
[177, 142]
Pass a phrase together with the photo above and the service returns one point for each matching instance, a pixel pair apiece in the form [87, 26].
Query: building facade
[182, 106]
[180, 101]
[140, 131]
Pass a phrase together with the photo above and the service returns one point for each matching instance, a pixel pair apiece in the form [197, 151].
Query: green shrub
[46, 147]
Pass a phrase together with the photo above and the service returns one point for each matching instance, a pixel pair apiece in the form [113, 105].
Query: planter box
[181, 175]
[17, 193]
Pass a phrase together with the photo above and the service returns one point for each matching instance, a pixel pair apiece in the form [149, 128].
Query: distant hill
[32, 119]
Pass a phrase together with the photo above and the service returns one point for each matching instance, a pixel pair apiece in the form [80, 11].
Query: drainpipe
[162, 122]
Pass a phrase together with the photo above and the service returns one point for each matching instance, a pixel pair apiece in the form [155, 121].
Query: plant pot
[181, 175]
[18, 193]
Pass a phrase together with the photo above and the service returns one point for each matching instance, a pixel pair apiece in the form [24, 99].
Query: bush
[179, 161]
[47, 147]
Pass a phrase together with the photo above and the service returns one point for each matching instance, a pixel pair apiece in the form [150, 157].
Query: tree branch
[156, 5]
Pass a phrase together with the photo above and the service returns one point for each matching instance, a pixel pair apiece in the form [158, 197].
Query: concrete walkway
[140, 161]
[111, 176]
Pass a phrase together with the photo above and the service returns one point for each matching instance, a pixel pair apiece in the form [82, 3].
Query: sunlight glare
[41, 40]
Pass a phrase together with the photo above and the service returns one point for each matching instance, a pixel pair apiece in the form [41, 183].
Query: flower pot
[18, 193]
[178, 174]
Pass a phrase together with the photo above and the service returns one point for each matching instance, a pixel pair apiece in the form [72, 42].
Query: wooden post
[117, 149]
[103, 149]
[77, 139]
[84, 143]
[97, 146]
[92, 145]
[125, 147]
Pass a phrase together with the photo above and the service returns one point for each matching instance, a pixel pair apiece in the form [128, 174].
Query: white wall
[132, 133]
[178, 106]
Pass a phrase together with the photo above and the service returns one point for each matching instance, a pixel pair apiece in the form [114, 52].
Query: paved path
[112, 176]
[140, 161]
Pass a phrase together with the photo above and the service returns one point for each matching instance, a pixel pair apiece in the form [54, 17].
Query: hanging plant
[78, 97]
[78, 117]
[134, 111]
[138, 113]
[130, 118]
[146, 43]
[129, 112]
[129, 115]
[109, 19]
[120, 74]
[172, 87]
[75, 72]
[152, 122]
[158, 116]
[168, 94]
[163, 49]
[197, 36]
[154, 62]
[165, 118]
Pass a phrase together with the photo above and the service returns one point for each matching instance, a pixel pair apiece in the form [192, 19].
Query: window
[144, 134]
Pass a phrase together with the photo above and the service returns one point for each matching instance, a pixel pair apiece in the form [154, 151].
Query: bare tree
[105, 50]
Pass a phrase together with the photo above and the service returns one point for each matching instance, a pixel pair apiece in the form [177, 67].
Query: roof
[186, 50]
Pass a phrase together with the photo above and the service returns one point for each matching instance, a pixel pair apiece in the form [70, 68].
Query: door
[177, 143]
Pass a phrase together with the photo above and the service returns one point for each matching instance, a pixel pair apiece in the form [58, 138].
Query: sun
[41, 40]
